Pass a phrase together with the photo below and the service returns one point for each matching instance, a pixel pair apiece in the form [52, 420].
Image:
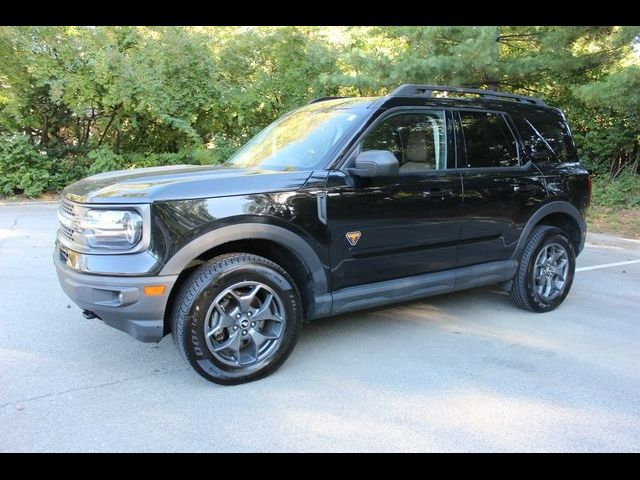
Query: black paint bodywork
[411, 225]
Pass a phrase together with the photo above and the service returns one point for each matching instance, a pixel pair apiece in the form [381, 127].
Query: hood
[180, 182]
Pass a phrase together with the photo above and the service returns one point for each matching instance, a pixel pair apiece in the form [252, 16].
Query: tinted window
[418, 140]
[488, 140]
[540, 132]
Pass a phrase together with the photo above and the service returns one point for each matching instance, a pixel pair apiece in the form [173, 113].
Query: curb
[603, 239]
[25, 203]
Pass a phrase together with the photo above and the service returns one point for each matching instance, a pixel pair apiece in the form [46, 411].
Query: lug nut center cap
[244, 323]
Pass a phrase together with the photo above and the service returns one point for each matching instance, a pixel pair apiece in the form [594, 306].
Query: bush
[23, 169]
[104, 160]
[624, 191]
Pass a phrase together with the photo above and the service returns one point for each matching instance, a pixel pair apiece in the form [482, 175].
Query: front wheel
[546, 270]
[237, 318]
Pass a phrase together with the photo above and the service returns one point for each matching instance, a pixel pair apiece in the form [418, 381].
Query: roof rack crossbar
[413, 90]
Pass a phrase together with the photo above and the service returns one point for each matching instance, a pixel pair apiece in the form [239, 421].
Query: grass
[619, 221]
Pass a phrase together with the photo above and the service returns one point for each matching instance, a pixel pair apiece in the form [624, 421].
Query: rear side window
[488, 140]
[542, 132]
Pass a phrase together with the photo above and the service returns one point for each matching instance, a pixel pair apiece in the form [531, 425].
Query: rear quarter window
[542, 132]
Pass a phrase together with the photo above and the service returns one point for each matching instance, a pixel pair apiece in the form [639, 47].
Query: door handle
[440, 193]
[521, 186]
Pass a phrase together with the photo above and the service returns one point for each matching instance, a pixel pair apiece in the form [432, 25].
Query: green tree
[75, 100]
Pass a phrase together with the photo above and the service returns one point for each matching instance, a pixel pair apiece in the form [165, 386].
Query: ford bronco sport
[343, 204]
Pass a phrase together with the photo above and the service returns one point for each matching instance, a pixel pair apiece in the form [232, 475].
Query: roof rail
[322, 99]
[413, 90]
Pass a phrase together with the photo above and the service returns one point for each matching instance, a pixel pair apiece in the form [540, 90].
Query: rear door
[500, 189]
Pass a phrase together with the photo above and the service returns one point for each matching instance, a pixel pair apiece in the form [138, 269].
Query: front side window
[488, 141]
[418, 140]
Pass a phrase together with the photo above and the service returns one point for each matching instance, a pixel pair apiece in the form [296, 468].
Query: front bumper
[118, 301]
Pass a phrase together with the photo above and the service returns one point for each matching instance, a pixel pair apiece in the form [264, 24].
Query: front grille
[67, 217]
[67, 232]
[67, 207]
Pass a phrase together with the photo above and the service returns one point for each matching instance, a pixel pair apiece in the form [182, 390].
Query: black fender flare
[557, 206]
[251, 231]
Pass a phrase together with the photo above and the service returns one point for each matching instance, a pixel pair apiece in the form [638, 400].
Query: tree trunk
[44, 135]
[78, 131]
[87, 131]
[106, 129]
[492, 84]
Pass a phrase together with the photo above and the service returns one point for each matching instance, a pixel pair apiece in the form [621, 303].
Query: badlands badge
[353, 237]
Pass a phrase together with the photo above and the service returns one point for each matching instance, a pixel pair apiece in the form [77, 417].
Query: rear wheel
[237, 318]
[546, 270]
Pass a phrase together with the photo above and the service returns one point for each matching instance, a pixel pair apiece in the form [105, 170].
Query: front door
[385, 228]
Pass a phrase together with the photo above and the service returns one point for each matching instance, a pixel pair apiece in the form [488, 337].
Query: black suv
[343, 204]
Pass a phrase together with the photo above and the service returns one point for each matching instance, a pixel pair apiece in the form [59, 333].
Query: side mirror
[375, 163]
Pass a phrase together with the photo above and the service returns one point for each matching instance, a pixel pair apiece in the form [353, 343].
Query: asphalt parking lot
[460, 372]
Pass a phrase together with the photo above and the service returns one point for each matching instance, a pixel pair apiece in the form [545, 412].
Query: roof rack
[413, 90]
[322, 99]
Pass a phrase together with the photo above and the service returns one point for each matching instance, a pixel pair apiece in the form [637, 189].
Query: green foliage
[624, 191]
[81, 100]
[22, 168]
[103, 159]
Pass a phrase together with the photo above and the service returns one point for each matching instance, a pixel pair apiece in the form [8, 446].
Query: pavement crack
[90, 387]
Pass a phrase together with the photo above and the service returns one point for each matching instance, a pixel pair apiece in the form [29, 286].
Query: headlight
[111, 229]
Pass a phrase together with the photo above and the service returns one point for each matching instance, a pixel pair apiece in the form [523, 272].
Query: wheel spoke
[232, 344]
[244, 301]
[259, 338]
[224, 320]
[254, 349]
[264, 312]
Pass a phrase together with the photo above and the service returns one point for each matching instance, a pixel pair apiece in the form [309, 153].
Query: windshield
[301, 139]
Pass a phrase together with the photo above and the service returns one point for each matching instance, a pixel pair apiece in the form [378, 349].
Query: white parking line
[606, 265]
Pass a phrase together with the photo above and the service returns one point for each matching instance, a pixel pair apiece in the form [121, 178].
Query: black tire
[523, 291]
[192, 311]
